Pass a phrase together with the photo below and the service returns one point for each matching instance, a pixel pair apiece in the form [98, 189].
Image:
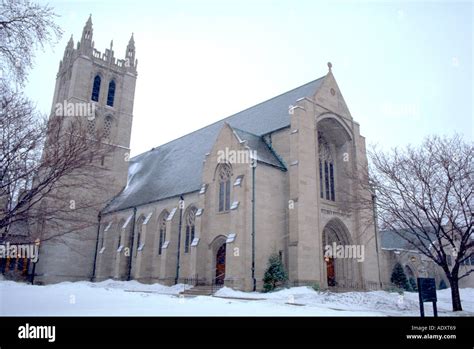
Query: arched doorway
[340, 271]
[220, 265]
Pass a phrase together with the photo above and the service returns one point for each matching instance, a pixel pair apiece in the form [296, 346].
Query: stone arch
[215, 247]
[340, 272]
[335, 151]
[339, 125]
[410, 271]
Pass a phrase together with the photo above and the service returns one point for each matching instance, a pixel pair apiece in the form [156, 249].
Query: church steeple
[69, 48]
[86, 39]
[130, 53]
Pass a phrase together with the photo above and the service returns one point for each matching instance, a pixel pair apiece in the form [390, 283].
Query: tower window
[107, 126]
[96, 89]
[111, 94]
[91, 126]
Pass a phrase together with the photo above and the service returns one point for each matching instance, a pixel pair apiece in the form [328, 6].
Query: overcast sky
[404, 68]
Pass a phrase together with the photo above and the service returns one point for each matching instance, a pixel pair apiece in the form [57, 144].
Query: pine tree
[442, 285]
[413, 285]
[399, 278]
[275, 274]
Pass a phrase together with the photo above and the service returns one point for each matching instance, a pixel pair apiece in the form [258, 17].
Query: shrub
[275, 275]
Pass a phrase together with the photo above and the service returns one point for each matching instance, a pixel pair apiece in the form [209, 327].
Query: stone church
[211, 207]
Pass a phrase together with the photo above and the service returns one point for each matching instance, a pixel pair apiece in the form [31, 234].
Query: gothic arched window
[162, 231]
[96, 89]
[120, 229]
[107, 126]
[111, 93]
[91, 126]
[139, 228]
[224, 173]
[326, 170]
[189, 219]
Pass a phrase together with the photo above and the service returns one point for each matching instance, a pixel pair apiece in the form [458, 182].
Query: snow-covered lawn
[132, 298]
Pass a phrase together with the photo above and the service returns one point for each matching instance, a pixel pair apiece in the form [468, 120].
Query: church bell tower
[106, 85]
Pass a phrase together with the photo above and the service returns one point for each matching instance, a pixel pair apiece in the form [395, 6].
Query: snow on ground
[382, 302]
[128, 298]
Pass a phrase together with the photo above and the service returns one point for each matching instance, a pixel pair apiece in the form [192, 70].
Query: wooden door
[331, 273]
[220, 265]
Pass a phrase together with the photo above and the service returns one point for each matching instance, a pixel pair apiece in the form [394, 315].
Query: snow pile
[389, 303]
[135, 286]
[131, 298]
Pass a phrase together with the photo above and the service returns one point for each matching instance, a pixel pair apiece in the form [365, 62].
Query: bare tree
[424, 194]
[24, 27]
[44, 160]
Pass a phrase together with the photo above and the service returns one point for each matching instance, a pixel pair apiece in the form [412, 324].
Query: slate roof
[392, 240]
[175, 168]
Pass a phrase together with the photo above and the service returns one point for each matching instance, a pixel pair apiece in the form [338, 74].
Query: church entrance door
[220, 265]
[330, 272]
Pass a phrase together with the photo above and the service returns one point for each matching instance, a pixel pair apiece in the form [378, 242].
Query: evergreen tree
[442, 285]
[275, 274]
[399, 278]
[413, 284]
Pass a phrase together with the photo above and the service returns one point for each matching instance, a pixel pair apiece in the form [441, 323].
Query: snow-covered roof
[175, 168]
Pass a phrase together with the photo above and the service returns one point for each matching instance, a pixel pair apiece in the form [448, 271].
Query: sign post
[427, 293]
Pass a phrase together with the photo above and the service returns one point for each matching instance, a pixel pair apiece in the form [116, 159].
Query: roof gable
[175, 168]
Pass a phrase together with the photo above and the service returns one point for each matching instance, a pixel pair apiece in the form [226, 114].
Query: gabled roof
[175, 168]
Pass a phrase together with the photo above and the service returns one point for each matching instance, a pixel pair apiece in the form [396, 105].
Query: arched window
[107, 126]
[120, 230]
[139, 234]
[326, 170]
[111, 93]
[162, 231]
[96, 89]
[224, 173]
[91, 126]
[102, 237]
[189, 219]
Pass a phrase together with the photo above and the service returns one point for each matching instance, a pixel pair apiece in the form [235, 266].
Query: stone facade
[282, 188]
[70, 256]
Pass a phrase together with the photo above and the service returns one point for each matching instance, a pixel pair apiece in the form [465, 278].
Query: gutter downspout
[254, 166]
[99, 217]
[181, 205]
[132, 238]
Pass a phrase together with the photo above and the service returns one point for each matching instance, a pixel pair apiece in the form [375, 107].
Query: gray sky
[404, 68]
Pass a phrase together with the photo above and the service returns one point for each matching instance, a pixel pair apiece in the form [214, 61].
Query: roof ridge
[224, 119]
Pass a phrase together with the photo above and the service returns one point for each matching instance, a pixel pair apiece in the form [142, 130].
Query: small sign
[427, 293]
[427, 289]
